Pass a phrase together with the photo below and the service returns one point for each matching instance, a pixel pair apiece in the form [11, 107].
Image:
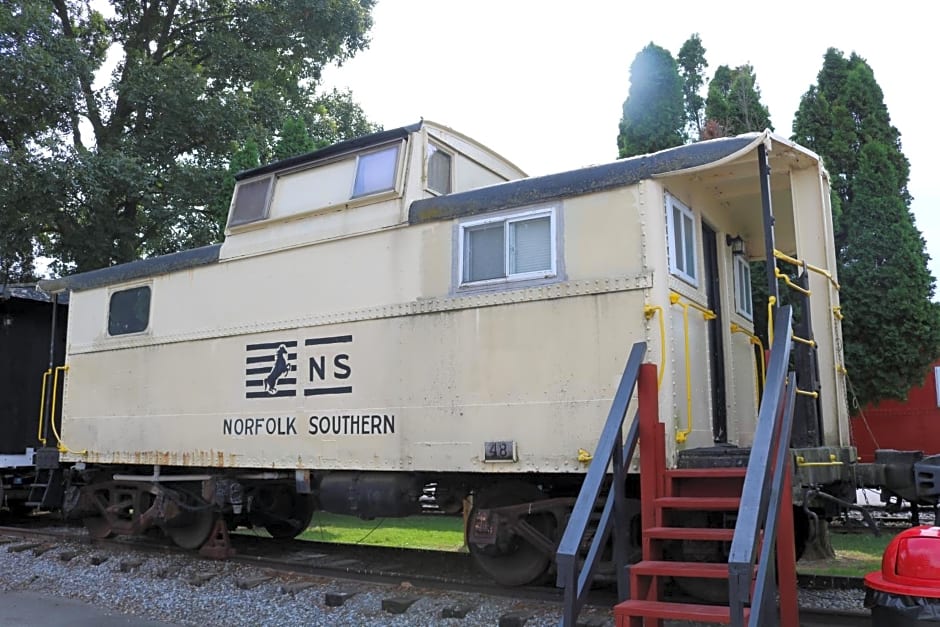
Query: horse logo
[280, 369]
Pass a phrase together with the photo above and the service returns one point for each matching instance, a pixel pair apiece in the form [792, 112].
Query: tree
[692, 66]
[891, 327]
[654, 112]
[125, 163]
[734, 103]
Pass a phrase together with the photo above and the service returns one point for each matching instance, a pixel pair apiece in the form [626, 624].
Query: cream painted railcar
[408, 309]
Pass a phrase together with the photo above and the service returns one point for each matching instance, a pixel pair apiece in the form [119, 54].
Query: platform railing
[766, 498]
[574, 575]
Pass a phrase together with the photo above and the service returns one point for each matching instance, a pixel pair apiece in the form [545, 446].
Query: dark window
[129, 311]
[251, 201]
[439, 163]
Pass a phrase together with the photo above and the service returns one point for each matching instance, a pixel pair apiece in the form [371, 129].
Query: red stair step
[698, 502]
[690, 533]
[708, 570]
[675, 611]
[706, 473]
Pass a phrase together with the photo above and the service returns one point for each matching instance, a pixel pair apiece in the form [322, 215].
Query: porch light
[737, 245]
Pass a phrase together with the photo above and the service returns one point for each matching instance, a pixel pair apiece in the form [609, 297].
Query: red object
[666, 496]
[910, 565]
[909, 425]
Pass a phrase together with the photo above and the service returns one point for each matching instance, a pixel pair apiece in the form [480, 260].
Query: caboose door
[716, 355]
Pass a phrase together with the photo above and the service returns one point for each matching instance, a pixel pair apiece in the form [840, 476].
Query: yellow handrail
[790, 284]
[60, 445]
[803, 340]
[707, 314]
[837, 312]
[649, 311]
[801, 461]
[42, 406]
[760, 372]
[771, 301]
[808, 266]
[808, 393]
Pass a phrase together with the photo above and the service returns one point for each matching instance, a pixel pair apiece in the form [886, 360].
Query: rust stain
[220, 457]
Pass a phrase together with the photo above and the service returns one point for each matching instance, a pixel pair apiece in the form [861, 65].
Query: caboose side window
[375, 171]
[743, 303]
[252, 199]
[682, 248]
[510, 248]
[129, 311]
[439, 169]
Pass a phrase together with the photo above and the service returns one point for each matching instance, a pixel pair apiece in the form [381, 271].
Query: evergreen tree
[692, 66]
[294, 139]
[891, 328]
[654, 112]
[734, 103]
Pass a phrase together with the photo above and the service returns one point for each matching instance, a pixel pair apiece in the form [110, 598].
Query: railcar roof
[23, 291]
[576, 182]
[503, 196]
[350, 145]
[135, 270]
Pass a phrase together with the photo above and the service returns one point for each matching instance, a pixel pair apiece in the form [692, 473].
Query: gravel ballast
[187, 590]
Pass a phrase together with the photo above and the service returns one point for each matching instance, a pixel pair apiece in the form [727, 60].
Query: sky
[543, 82]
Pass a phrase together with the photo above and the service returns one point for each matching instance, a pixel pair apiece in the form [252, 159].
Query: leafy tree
[124, 162]
[734, 103]
[891, 327]
[692, 66]
[653, 113]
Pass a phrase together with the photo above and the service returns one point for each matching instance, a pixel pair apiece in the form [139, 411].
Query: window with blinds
[681, 239]
[509, 248]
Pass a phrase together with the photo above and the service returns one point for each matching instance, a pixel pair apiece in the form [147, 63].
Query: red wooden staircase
[674, 508]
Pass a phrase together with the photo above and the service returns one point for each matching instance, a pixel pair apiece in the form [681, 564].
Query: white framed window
[683, 250]
[743, 302]
[440, 169]
[375, 171]
[936, 379]
[508, 248]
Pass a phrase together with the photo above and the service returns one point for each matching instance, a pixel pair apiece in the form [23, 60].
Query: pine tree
[654, 112]
[734, 103]
[692, 64]
[891, 328]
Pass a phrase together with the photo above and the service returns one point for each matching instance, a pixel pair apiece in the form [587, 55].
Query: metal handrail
[573, 576]
[766, 473]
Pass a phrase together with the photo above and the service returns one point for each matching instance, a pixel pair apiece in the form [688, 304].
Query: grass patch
[437, 533]
[857, 554]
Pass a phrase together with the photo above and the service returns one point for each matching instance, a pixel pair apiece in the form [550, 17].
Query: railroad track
[434, 570]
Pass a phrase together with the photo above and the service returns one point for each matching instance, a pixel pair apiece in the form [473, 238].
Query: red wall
[913, 425]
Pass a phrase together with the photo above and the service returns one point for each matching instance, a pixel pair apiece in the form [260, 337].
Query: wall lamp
[737, 245]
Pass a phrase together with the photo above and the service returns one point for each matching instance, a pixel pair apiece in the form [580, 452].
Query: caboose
[408, 310]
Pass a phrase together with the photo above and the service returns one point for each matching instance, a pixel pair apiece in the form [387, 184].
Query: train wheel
[512, 560]
[98, 527]
[192, 527]
[296, 510]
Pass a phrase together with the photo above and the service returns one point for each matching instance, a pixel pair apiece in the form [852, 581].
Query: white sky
[543, 82]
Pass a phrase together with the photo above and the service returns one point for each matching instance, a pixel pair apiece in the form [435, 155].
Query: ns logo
[271, 367]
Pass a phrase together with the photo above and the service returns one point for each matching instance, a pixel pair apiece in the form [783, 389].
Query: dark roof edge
[333, 150]
[141, 269]
[596, 178]
[28, 291]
